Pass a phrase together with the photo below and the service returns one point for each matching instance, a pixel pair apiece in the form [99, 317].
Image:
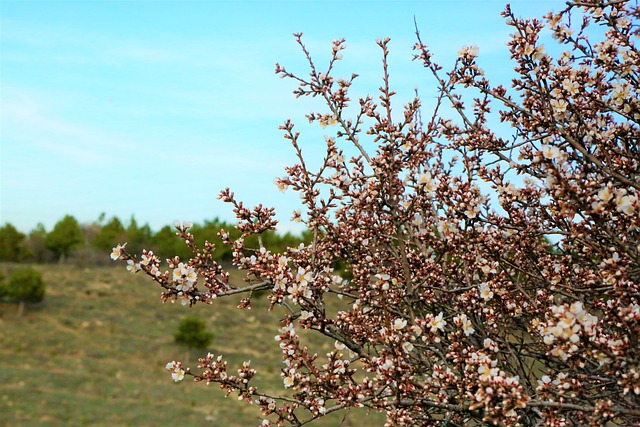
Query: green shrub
[193, 333]
[24, 285]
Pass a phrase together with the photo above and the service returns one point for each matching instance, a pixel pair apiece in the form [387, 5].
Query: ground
[94, 353]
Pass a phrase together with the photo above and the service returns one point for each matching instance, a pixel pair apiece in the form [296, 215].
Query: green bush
[193, 333]
[25, 285]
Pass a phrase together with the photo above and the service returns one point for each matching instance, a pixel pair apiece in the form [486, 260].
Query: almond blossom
[116, 253]
[177, 372]
[465, 276]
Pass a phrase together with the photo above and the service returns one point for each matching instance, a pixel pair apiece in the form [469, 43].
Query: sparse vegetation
[94, 354]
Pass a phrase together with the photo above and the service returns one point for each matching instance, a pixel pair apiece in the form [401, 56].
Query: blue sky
[151, 108]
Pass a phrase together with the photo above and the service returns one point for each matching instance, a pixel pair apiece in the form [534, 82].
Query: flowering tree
[464, 276]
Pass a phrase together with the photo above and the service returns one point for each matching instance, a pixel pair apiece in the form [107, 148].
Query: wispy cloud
[25, 120]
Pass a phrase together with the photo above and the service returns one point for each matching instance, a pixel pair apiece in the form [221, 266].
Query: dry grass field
[93, 353]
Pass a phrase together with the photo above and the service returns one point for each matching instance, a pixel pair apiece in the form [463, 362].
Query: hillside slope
[93, 353]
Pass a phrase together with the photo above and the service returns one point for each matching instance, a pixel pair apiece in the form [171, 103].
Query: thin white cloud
[27, 121]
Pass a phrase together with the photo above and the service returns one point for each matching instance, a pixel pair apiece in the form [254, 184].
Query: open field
[93, 353]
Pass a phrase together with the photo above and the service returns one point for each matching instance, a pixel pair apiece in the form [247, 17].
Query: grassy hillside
[93, 353]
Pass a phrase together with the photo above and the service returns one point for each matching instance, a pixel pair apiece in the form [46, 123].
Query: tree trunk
[20, 309]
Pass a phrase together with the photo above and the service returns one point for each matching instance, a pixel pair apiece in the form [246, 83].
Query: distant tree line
[91, 243]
